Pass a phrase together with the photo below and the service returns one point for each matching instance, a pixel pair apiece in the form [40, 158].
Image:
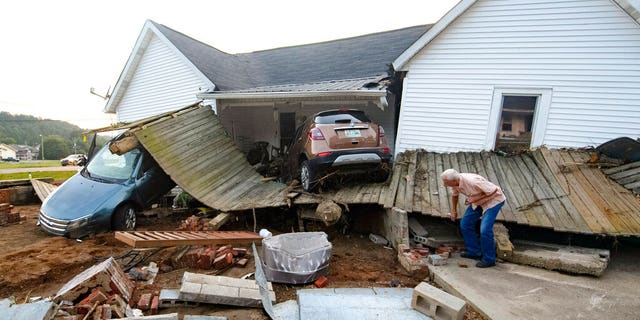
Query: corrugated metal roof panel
[193, 148]
[370, 83]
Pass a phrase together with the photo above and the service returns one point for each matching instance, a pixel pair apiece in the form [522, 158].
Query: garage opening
[516, 121]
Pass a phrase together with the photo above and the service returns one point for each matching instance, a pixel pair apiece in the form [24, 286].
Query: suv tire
[307, 176]
[124, 218]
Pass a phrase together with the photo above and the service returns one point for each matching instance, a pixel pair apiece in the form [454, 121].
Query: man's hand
[467, 201]
[453, 216]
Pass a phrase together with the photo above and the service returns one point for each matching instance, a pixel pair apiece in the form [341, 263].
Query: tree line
[59, 138]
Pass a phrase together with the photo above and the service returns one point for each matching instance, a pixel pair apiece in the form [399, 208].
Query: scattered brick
[145, 302]
[155, 302]
[321, 282]
[138, 274]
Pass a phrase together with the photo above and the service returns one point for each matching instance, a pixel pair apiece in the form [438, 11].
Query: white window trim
[539, 125]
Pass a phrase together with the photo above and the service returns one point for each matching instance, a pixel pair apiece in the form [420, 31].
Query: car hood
[80, 196]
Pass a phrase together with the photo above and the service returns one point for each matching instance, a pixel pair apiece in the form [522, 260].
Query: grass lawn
[56, 175]
[30, 164]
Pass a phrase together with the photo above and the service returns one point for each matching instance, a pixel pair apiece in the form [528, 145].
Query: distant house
[7, 151]
[264, 95]
[493, 74]
[25, 152]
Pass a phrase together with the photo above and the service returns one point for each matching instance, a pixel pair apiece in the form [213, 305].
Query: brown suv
[344, 140]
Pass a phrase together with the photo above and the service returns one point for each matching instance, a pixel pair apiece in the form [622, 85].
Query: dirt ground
[35, 264]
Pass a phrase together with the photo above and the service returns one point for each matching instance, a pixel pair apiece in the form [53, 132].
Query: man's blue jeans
[486, 246]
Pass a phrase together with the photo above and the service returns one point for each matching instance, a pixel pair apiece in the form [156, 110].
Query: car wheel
[381, 175]
[307, 176]
[124, 218]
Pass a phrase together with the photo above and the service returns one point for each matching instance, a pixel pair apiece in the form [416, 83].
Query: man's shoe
[468, 256]
[484, 264]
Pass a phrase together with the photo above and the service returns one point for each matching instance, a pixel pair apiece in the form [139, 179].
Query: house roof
[631, 7]
[356, 57]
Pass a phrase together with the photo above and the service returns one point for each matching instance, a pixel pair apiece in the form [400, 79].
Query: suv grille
[51, 225]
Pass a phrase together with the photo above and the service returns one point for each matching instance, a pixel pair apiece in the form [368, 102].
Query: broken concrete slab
[221, 290]
[504, 247]
[511, 291]
[106, 275]
[357, 303]
[171, 316]
[416, 228]
[28, 311]
[578, 260]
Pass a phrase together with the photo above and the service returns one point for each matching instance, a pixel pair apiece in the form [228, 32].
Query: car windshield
[108, 166]
[341, 116]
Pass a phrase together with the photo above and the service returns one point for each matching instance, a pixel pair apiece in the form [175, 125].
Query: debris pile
[195, 223]
[212, 257]
[7, 216]
[102, 291]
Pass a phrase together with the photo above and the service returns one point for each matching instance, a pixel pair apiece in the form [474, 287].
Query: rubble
[7, 216]
[107, 276]
[436, 303]
[43, 309]
[221, 290]
[211, 257]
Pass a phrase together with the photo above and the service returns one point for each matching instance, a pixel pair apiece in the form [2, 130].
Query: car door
[151, 181]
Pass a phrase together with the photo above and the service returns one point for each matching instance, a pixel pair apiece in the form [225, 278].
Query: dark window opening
[516, 122]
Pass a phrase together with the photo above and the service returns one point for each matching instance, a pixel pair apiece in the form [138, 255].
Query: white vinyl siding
[586, 52]
[162, 81]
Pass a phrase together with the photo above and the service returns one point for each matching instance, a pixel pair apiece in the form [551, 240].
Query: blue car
[105, 195]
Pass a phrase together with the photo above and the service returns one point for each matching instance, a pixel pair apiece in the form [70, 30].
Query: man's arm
[454, 207]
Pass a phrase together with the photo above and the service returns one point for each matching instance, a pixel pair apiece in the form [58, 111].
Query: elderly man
[484, 200]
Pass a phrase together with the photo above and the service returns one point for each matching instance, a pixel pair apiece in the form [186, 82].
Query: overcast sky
[52, 52]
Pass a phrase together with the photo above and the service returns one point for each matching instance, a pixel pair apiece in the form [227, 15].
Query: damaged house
[263, 95]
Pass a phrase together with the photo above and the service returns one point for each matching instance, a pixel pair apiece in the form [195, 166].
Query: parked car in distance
[344, 140]
[74, 160]
[10, 159]
[104, 195]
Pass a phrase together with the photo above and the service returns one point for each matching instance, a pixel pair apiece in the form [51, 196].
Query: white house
[7, 151]
[493, 73]
[263, 95]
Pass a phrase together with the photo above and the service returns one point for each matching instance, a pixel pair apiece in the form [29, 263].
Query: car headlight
[78, 223]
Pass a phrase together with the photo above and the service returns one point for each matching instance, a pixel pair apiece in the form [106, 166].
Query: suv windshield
[108, 166]
[340, 116]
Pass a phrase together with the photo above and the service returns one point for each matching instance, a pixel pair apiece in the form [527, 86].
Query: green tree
[7, 140]
[55, 147]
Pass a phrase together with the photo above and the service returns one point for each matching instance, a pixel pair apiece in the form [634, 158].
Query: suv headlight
[78, 223]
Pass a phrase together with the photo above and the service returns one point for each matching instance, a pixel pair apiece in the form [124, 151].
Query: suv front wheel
[307, 176]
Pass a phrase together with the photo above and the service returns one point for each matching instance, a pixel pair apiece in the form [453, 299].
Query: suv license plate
[352, 133]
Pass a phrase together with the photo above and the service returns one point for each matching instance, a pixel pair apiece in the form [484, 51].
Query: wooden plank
[483, 160]
[606, 191]
[580, 200]
[449, 160]
[577, 183]
[560, 194]
[621, 168]
[443, 191]
[532, 209]
[402, 186]
[210, 237]
[410, 180]
[420, 181]
[390, 196]
[42, 189]
[548, 198]
[462, 162]
[628, 179]
[509, 180]
[432, 177]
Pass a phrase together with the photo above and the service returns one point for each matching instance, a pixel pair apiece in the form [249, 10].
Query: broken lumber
[149, 239]
[219, 221]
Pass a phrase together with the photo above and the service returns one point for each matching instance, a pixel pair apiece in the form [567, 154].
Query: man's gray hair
[450, 175]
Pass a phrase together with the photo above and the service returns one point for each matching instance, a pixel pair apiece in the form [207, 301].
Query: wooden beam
[147, 239]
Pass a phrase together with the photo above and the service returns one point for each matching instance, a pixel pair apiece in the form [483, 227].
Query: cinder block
[436, 303]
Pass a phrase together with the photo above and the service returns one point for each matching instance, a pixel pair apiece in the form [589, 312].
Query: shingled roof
[351, 58]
